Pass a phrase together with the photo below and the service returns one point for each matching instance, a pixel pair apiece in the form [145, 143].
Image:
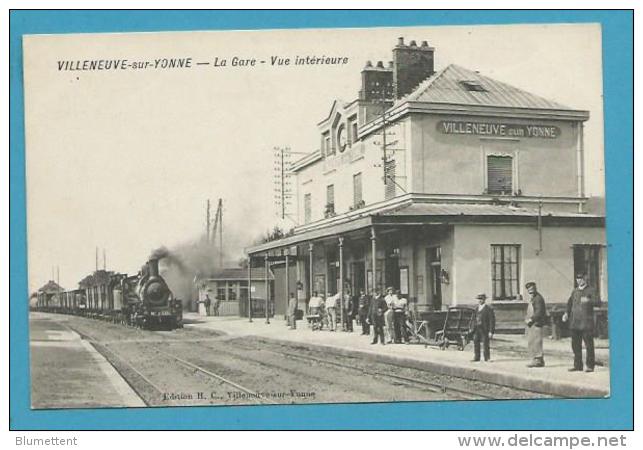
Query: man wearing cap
[484, 325]
[580, 317]
[378, 308]
[535, 320]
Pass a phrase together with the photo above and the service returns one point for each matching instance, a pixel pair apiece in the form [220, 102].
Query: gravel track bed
[275, 372]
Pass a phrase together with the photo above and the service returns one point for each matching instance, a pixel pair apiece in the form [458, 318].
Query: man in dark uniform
[364, 303]
[348, 311]
[376, 312]
[484, 325]
[207, 303]
[580, 316]
[536, 319]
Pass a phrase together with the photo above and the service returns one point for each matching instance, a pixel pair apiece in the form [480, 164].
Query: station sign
[498, 129]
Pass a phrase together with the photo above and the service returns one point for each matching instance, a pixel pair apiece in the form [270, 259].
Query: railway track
[117, 360]
[438, 388]
[254, 396]
[465, 394]
[193, 368]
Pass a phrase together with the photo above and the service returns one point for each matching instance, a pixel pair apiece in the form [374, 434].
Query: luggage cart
[458, 325]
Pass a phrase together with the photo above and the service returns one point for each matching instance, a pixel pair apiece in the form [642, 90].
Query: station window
[505, 270]
[587, 259]
[232, 291]
[499, 175]
[307, 208]
[330, 200]
[221, 291]
[327, 144]
[354, 133]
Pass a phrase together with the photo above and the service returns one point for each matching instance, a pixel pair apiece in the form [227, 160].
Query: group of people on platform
[211, 307]
[390, 319]
[579, 315]
[388, 315]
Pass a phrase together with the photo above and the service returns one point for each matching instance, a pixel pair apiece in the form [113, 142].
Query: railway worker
[484, 325]
[331, 311]
[376, 313]
[400, 307]
[207, 301]
[215, 306]
[364, 303]
[292, 311]
[536, 319]
[580, 316]
[348, 311]
[389, 316]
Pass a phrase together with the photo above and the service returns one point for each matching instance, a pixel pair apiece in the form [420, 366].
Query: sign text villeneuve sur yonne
[498, 129]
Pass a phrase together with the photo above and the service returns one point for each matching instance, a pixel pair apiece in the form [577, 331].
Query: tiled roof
[446, 86]
[240, 274]
[463, 209]
[51, 286]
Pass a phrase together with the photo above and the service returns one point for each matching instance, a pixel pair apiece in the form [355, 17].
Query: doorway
[434, 276]
[358, 277]
[392, 268]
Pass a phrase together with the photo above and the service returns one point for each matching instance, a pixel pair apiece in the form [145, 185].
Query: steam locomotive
[143, 300]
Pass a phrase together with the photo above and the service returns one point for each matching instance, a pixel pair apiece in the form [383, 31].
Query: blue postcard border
[616, 412]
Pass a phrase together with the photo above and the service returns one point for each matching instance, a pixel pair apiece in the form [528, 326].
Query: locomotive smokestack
[153, 264]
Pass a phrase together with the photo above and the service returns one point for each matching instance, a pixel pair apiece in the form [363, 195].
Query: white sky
[125, 160]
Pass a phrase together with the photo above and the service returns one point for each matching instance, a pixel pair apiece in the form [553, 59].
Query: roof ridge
[511, 86]
[504, 92]
[424, 84]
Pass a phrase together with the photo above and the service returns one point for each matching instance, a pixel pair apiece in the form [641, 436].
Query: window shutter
[330, 194]
[357, 189]
[307, 206]
[499, 174]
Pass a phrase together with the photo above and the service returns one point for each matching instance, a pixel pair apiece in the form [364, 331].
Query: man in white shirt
[389, 316]
[331, 310]
[399, 305]
[315, 311]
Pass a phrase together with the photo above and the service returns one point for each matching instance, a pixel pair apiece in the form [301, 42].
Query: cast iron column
[249, 288]
[374, 261]
[287, 283]
[267, 290]
[341, 281]
[310, 275]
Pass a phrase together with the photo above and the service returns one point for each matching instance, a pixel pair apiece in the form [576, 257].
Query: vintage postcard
[316, 216]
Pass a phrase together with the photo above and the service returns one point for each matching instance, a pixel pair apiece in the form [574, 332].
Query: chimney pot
[380, 64]
[413, 44]
[390, 64]
[425, 44]
[400, 41]
[369, 64]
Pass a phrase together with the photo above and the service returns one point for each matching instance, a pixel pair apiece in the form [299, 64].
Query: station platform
[67, 372]
[507, 366]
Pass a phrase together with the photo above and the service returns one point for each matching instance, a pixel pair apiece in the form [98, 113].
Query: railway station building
[443, 184]
[230, 287]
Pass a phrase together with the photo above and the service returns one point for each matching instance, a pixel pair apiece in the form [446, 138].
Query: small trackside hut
[443, 184]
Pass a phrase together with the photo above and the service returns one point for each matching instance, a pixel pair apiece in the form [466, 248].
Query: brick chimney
[377, 82]
[412, 64]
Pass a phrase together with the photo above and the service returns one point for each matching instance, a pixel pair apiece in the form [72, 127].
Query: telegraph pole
[387, 177]
[207, 222]
[220, 218]
[282, 176]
